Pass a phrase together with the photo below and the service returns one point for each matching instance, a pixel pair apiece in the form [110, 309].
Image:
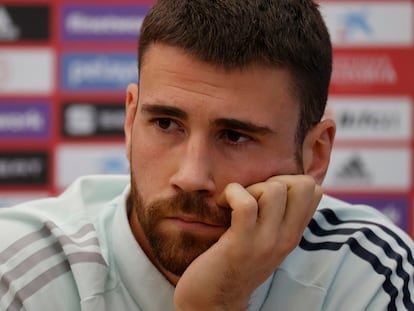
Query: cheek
[250, 172]
[145, 148]
[147, 165]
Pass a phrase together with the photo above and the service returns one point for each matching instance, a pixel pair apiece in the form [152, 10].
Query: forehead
[170, 74]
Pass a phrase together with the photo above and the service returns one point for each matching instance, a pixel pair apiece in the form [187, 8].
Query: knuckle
[307, 181]
[278, 187]
[231, 187]
[306, 184]
[247, 204]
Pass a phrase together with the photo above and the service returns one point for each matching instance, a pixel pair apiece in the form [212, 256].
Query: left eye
[235, 137]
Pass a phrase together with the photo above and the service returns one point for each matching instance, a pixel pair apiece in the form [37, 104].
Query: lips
[196, 220]
[188, 211]
[203, 228]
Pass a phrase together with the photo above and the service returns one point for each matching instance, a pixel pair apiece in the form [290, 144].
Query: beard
[176, 250]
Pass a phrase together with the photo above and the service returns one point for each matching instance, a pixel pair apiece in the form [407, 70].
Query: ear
[316, 149]
[131, 104]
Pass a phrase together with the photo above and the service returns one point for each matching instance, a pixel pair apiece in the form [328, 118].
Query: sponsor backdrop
[64, 67]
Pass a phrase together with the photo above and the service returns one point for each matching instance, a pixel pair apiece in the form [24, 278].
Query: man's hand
[268, 220]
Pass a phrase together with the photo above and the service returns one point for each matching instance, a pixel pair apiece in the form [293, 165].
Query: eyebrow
[164, 110]
[244, 126]
[229, 123]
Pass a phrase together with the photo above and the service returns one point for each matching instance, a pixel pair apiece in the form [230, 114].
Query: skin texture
[219, 199]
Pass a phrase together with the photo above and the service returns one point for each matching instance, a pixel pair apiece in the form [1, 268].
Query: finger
[317, 198]
[303, 196]
[271, 197]
[244, 208]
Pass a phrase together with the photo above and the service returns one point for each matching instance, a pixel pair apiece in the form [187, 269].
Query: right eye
[166, 124]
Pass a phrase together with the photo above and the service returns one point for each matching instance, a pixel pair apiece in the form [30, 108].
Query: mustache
[194, 204]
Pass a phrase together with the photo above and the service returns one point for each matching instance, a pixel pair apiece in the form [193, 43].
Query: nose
[194, 167]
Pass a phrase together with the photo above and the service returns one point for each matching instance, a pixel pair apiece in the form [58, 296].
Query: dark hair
[234, 34]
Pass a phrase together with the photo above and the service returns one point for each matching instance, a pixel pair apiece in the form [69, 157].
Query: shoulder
[52, 244]
[350, 257]
[79, 204]
[85, 194]
[360, 250]
[341, 223]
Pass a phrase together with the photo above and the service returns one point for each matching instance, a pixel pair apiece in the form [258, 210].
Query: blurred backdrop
[65, 65]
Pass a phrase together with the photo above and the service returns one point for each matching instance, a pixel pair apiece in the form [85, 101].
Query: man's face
[196, 129]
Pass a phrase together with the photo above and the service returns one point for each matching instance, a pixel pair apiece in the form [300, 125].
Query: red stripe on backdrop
[378, 71]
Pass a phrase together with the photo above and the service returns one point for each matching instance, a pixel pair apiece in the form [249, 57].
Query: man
[223, 210]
